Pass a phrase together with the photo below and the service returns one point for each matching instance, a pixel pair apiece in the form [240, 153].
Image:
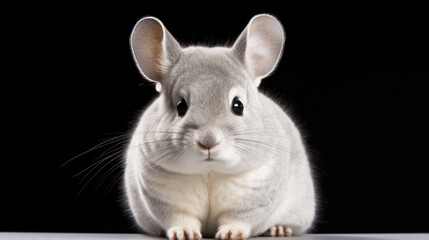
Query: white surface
[72, 236]
[92, 236]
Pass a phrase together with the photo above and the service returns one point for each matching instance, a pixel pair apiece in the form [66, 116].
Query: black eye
[181, 107]
[237, 107]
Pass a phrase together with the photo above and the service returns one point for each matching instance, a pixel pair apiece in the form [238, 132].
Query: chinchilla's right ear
[154, 49]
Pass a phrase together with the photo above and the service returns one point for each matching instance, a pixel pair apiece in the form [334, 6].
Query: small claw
[197, 236]
[278, 231]
[179, 233]
[287, 231]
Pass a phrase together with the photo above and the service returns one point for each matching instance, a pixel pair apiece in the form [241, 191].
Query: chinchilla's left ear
[260, 46]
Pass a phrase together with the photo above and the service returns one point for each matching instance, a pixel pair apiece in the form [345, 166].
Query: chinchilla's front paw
[183, 233]
[233, 232]
[278, 231]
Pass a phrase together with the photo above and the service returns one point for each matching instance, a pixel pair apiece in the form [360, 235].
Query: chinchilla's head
[209, 96]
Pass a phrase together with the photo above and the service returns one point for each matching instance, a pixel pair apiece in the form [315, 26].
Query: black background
[354, 76]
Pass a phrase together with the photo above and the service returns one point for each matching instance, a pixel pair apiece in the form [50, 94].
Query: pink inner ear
[153, 45]
[261, 57]
[256, 60]
[147, 46]
[264, 45]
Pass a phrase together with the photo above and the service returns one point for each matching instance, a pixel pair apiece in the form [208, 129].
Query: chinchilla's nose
[207, 145]
[208, 138]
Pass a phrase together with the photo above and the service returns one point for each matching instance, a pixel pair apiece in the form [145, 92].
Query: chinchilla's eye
[181, 107]
[237, 107]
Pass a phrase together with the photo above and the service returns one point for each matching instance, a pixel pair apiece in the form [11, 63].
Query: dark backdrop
[354, 76]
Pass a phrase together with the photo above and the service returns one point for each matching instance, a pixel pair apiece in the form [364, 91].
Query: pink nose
[207, 146]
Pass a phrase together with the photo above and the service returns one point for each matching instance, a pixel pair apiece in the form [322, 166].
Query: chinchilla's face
[209, 97]
[211, 101]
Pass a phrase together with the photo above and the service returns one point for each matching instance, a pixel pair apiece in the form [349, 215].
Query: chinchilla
[212, 156]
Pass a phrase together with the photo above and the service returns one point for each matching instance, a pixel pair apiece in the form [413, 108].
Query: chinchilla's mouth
[209, 157]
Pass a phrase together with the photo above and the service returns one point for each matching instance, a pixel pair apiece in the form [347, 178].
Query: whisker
[275, 149]
[266, 134]
[95, 164]
[121, 152]
[180, 156]
[159, 155]
[108, 173]
[106, 165]
[109, 160]
[240, 152]
[114, 182]
[244, 153]
[90, 180]
[114, 148]
[259, 142]
[157, 132]
[161, 140]
[100, 145]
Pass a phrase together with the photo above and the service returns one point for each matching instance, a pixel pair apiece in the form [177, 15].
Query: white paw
[279, 231]
[232, 232]
[183, 233]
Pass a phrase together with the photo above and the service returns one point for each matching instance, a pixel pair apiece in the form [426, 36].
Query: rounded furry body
[252, 172]
[279, 192]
